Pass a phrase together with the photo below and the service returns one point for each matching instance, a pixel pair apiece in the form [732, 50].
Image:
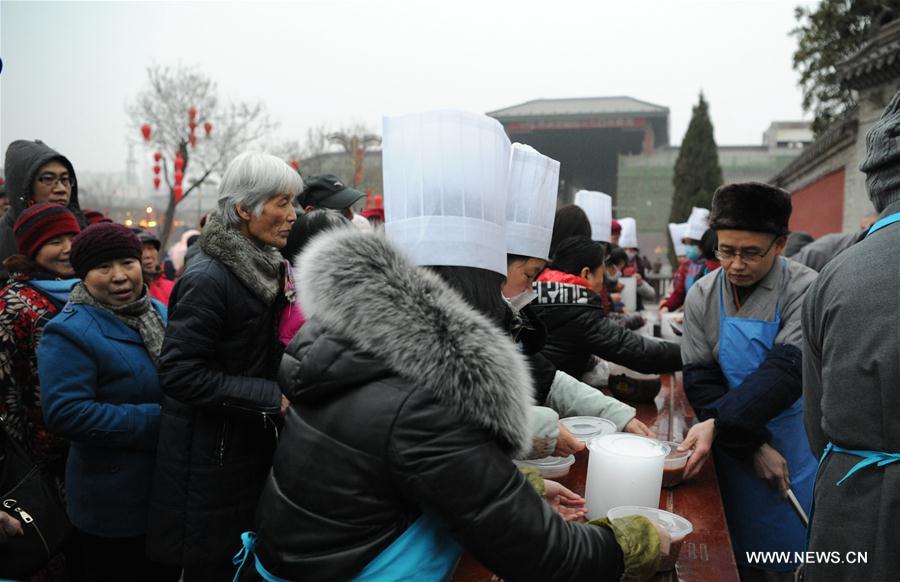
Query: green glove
[534, 477]
[639, 540]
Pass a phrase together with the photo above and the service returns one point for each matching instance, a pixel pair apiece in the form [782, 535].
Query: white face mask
[517, 302]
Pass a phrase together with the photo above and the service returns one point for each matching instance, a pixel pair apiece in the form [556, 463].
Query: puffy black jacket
[577, 329]
[221, 402]
[405, 401]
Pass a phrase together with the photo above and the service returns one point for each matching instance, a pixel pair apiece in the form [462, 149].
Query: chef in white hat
[676, 233]
[699, 247]
[598, 207]
[635, 266]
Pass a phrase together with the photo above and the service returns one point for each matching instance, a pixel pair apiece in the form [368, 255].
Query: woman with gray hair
[222, 406]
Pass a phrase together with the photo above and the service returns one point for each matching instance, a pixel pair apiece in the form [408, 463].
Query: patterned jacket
[24, 311]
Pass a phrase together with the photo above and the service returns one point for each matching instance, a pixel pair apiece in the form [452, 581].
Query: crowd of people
[298, 392]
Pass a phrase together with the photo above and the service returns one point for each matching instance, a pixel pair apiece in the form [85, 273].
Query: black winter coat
[405, 401]
[577, 328]
[219, 412]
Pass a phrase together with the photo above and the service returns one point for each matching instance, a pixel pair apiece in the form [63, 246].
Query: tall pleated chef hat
[698, 223]
[598, 207]
[628, 238]
[446, 180]
[531, 205]
[678, 232]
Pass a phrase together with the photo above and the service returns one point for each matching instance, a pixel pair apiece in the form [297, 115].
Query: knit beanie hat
[94, 216]
[882, 163]
[40, 223]
[101, 243]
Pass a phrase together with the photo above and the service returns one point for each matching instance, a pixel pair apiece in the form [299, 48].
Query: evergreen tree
[697, 172]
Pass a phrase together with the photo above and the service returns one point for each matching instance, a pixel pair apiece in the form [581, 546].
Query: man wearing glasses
[35, 173]
[742, 374]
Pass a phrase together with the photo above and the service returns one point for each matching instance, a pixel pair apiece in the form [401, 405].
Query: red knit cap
[40, 223]
[94, 216]
[101, 243]
[616, 227]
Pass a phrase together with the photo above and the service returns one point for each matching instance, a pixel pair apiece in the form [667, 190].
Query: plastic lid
[674, 455]
[629, 445]
[549, 462]
[677, 526]
[585, 428]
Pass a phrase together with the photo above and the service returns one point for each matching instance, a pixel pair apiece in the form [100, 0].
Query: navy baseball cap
[327, 191]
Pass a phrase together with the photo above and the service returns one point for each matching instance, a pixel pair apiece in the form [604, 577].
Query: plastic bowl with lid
[677, 527]
[549, 467]
[673, 467]
[587, 428]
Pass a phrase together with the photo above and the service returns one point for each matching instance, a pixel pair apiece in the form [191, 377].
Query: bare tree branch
[164, 105]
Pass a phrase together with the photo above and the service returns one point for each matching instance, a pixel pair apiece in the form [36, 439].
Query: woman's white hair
[251, 180]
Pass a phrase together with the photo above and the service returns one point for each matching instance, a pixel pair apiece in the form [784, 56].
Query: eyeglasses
[748, 255]
[50, 180]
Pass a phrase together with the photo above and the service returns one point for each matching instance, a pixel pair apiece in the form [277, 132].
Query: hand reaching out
[566, 443]
[569, 505]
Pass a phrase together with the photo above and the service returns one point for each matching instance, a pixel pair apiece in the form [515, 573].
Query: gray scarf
[138, 315]
[260, 269]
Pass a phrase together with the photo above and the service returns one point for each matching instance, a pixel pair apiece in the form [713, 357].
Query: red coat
[679, 281]
[161, 289]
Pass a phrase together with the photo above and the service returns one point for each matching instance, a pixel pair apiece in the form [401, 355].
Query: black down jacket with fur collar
[404, 401]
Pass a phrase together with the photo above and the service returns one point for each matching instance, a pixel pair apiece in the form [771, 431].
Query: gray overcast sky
[71, 67]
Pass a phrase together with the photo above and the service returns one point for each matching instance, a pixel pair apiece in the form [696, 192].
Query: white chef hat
[698, 223]
[531, 205]
[598, 207]
[628, 238]
[445, 188]
[678, 232]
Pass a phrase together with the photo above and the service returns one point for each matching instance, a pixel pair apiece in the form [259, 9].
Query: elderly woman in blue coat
[97, 362]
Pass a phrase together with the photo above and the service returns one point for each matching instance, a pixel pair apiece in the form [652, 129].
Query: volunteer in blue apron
[851, 371]
[742, 375]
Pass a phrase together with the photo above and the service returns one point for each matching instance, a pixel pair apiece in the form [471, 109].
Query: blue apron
[869, 458]
[425, 551]
[759, 518]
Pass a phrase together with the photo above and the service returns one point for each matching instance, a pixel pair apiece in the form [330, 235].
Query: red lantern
[192, 113]
[156, 183]
[156, 168]
[295, 164]
[208, 127]
[179, 162]
[157, 157]
[179, 176]
[145, 131]
[179, 192]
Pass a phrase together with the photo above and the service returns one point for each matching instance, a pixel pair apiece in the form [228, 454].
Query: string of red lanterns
[178, 189]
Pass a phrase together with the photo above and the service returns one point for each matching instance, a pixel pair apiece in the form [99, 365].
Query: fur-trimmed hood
[359, 287]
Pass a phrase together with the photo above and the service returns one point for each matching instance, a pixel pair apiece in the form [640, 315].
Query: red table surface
[706, 553]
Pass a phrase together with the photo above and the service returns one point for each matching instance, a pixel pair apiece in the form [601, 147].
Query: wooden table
[706, 553]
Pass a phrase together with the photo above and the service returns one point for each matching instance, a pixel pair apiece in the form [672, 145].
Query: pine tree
[697, 171]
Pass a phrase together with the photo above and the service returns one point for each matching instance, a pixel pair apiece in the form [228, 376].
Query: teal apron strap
[878, 458]
[248, 539]
[890, 219]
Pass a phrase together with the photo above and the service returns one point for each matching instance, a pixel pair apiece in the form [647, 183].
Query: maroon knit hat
[39, 223]
[94, 216]
[101, 243]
